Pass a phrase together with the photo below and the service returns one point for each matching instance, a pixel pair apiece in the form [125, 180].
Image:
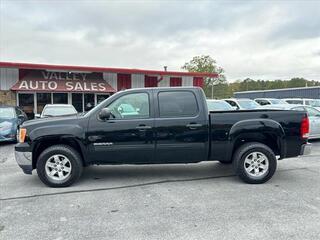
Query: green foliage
[222, 89]
[205, 64]
[251, 85]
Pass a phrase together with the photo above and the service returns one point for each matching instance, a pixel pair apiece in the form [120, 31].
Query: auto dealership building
[32, 86]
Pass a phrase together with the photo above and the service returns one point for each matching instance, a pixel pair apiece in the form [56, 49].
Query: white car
[269, 101]
[304, 101]
[242, 103]
[218, 105]
[57, 110]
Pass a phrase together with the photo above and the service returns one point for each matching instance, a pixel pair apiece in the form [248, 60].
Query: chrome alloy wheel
[256, 165]
[58, 167]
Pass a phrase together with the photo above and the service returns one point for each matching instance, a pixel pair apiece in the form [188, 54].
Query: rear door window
[177, 104]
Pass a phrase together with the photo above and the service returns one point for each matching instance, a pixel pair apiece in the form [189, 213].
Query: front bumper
[23, 158]
[306, 149]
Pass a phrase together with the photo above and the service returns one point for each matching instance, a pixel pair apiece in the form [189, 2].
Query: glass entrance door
[60, 98]
[42, 100]
[88, 101]
[26, 103]
[77, 101]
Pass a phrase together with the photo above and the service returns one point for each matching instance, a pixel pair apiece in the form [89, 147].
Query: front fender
[58, 134]
[257, 130]
[57, 130]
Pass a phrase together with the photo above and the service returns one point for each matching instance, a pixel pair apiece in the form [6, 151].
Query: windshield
[218, 106]
[58, 111]
[277, 101]
[315, 103]
[6, 113]
[248, 104]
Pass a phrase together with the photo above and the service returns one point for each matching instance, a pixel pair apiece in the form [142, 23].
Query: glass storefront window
[77, 101]
[101, 97]
[42, 100]
[88, 101]
[26, 103]
[60, 98]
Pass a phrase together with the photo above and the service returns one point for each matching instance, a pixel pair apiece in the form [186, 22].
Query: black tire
[243, 152]
[75, 161]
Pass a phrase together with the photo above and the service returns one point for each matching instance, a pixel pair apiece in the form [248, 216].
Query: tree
[206, 64]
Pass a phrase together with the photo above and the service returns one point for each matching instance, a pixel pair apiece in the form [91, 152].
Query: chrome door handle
[143, 127]
[194, 125]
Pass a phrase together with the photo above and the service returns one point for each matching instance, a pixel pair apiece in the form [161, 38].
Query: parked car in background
[242, 103]
[10, 120]
[269, 101]
[313, 114]
[304, 101]
[218, 105]
[57, 110]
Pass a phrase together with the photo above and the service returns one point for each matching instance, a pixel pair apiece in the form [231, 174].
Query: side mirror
[105, 114]
[21, 117]
[235, 108]
[37, 115]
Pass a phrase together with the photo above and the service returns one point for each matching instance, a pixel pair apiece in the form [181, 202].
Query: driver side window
[131, 106]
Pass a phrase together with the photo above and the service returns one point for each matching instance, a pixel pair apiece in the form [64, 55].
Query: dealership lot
[196, 201]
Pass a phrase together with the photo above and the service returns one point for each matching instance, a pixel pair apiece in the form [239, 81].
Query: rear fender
[257, 130]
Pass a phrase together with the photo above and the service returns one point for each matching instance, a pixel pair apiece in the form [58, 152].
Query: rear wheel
[254, 163]
[59, 166]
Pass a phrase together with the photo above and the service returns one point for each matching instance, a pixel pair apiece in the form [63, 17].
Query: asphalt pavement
[192, 201]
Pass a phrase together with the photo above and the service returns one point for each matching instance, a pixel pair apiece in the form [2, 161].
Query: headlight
[22, 134]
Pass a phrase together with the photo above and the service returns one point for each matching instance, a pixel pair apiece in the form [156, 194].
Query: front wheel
[254, 163]
[59, 166]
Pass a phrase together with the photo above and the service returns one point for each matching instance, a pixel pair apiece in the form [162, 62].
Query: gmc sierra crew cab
[161, 126]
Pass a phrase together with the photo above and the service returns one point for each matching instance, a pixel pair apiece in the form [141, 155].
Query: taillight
[304, 128]
[22, 134]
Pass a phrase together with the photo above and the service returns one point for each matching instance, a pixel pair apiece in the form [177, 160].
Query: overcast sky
[256, 39]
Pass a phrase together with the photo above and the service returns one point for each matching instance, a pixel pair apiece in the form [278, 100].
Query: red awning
[42, 81]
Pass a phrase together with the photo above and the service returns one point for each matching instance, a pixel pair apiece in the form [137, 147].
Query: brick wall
[8, 98]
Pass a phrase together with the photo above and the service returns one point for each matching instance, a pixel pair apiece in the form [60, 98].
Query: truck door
[181, 127]
[128, 136]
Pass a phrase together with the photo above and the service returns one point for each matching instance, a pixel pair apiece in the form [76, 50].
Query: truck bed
[233, 128]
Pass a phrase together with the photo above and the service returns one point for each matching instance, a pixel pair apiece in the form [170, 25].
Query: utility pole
[212, 90]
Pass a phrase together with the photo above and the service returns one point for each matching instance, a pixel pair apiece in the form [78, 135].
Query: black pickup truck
[161, 126]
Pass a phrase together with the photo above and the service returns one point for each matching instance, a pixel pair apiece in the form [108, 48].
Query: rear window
[177, 104]
[58, 111]
[248, 104]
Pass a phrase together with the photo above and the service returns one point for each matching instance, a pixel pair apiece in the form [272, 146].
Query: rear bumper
[306, 149]
[24, 157]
